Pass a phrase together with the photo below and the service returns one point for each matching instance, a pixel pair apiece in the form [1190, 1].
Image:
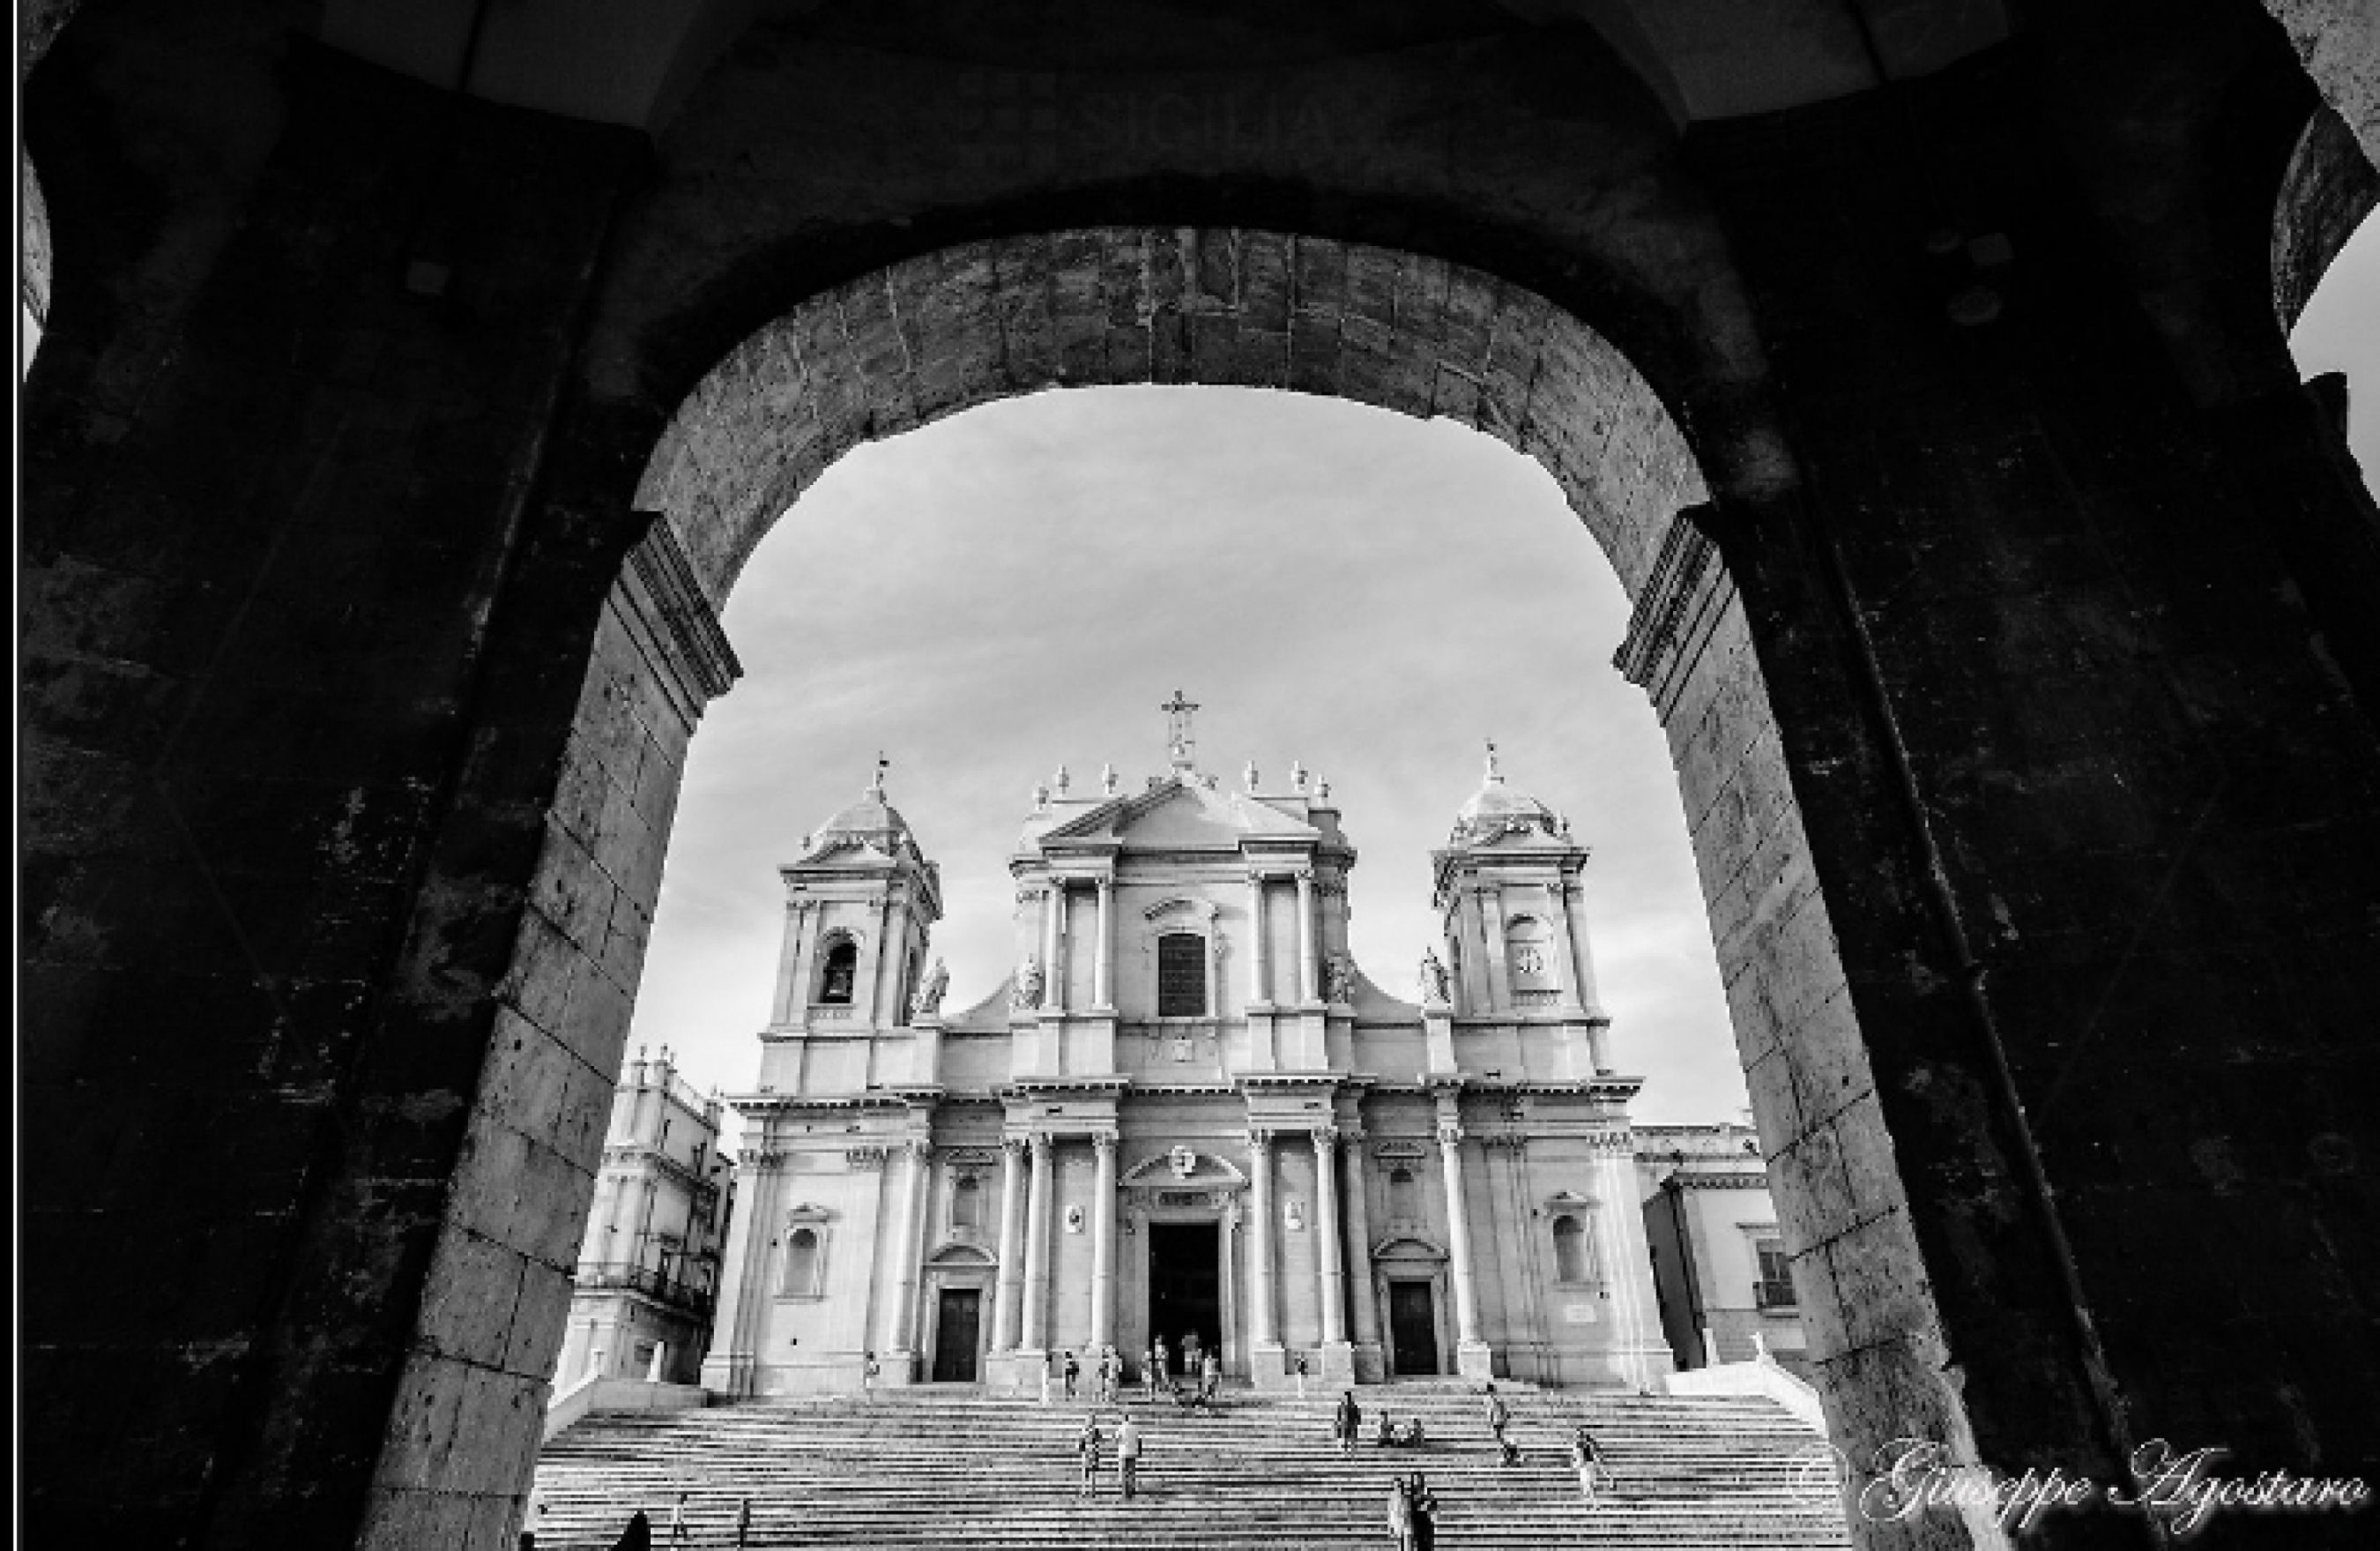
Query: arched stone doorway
[327, 505]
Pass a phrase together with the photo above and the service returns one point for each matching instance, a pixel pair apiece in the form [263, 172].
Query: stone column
[1491, 931]
[1036, 1330]
[1458, 1249]
[1328, 1248]
[1053, 936]
[1305, 988]
[1103, 1299]
[1365, 1314]
[1261, 1300]
[909, 1251]
[1103, 968]
[1006, 1291]
[891, 965]
[1258, 949]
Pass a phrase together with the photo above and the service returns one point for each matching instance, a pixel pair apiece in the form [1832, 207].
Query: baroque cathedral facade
[1186, 1110]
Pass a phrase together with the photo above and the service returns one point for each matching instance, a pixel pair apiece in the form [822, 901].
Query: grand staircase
[936, 1467]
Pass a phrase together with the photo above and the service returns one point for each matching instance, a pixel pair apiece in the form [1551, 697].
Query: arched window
[842, 970]
[802, 1263]
[1405, 1197]
[1570, 1251]
[966, 1202]
[1181, 975]
[1529, 955]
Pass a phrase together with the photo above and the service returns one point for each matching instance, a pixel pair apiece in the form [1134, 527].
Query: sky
[1018, 587]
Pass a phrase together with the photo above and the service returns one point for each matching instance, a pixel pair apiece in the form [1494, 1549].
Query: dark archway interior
[408, 388]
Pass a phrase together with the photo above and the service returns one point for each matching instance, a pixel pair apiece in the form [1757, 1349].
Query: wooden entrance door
[956, 1330]
[1413, 1328]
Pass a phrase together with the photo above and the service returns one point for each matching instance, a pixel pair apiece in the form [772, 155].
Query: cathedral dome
[1496, 807]
[872, 817]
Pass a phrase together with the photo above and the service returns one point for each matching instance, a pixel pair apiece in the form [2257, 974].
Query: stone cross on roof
[1179, 744]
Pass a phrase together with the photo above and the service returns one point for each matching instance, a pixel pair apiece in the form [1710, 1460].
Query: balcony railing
[1768, 1294]
[677, 1291]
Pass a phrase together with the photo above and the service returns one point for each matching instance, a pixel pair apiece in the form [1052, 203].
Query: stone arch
[925, 338]
[2328, 190]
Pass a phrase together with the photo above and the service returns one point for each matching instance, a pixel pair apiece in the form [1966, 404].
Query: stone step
[935, 1467]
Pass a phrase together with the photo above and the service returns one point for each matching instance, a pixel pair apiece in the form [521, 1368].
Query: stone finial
[1297, 775]
[1495, 777]
[1040, 797]
[1321, 789]
[1061, 782]
[1250, 775]
[875, 786]
[1108, 782]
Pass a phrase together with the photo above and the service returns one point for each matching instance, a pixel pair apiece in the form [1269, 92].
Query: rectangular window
[1776, 1287]
[1181, 975]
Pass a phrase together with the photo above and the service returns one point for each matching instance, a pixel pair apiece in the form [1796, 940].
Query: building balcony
[675, 1292]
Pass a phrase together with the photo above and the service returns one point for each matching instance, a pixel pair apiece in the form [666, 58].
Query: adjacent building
[1186, 1111]
[648, 1273]
[1718, 1262]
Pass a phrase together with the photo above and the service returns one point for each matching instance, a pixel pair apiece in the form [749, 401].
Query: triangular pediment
[1178, 814]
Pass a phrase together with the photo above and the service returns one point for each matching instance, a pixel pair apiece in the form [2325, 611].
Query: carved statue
[929, 999]
[1028, 994]
[1433, 980]
[1341, 977]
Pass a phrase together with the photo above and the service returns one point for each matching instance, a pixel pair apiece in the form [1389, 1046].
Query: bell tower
[860, 905]
[1510, 898]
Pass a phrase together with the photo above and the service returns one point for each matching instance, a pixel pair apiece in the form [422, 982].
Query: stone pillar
[909, 1252]
[1258, 955]
[1306, 992]
[1472, 1359]
[1103, 968]
[1329, 1251]
[1262, 1334]
[892, 1009]
[1054, 937]
[1035, 1329]
[1103, 1299]
[1363, 1309]
[1011, 1283]
[1491, 933]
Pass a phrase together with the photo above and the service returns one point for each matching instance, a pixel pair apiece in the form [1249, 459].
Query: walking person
[677, 1530]
[1086, 1448]
[1424, 1515]
[867, 1376]
[1190, 1349]
[1164, 1365]
[1148, 1369]
[743, 1524]
[1128, 1457]
[1401, 1522]
[1500, 1416]
[1348, 1423]
[1588, 1459]
[1210, 1377]
[1301, 1376]
[1074, 1371]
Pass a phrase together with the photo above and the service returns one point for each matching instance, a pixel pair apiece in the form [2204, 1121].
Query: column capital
[1013, 1147]
[920, 1148]
[1042, 1144]
[1352, 1137]
[1105, 1144]
[1261, 1137]
[1325, 1137]
[1449, 1133]
[1304, 875]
